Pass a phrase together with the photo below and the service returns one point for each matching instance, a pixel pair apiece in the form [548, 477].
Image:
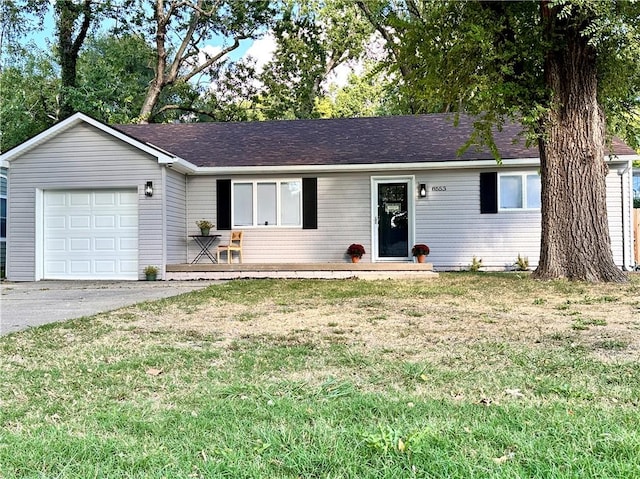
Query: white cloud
[262, 50]
[208, 51]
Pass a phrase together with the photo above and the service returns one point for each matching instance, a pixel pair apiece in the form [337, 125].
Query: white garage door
[91, 234]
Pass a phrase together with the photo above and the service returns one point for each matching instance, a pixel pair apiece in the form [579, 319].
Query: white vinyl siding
[81, 158]
[176, 214]
[451, 224]
[344, 217]
[448, 221]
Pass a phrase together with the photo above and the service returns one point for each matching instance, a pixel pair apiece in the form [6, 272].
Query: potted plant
[151, 272]
[420, 251]
[356, 251]
[205, 226]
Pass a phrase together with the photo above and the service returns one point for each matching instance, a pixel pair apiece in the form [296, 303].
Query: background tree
[180, 29]
[72, 23]
[113, 74]
[314, 37]
[370, 93]
[560, 67]
[28, 98]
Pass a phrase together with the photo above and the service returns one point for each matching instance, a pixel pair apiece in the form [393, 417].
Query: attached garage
[87, 202]
[90, 234]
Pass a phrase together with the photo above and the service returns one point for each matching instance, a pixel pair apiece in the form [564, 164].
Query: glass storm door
[393, 220]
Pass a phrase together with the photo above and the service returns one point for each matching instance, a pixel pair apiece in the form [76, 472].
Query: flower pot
[151, 276]
[421, 258]
[204, 231]
[355, 259]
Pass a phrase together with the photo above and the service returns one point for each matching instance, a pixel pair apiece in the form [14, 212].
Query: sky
[261, 50]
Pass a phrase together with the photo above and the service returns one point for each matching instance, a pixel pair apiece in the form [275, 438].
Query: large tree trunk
[69, 48]
[575, 232]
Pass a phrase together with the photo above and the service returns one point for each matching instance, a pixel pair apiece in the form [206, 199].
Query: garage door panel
[129, 267]
[105, 244]
[56, 267]
[105, 199]
[80, 222]
[80, 267]
[56, 222]
[130, 222]
[80, 199]
[106, 267]
[56, 244]
[91, 234]
[105, 221]
[80, 244]
[55, 198]
[128, 244]
[128, 198]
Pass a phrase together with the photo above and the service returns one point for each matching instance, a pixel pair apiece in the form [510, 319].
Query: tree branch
[215, 58]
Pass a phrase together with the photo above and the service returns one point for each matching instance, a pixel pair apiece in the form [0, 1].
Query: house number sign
[438, 188]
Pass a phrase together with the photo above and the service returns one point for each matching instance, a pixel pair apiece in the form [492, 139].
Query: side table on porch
[205, 243]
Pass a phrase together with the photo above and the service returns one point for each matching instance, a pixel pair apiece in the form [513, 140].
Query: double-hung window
[267, 203]
[519, 191]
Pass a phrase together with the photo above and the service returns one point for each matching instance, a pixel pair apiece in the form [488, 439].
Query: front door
[394, 220]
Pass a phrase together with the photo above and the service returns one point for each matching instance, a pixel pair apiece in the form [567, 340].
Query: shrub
[420, 249]
[356, 249]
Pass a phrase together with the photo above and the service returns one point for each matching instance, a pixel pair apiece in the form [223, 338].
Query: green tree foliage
[367, 94]
[180, 30]
[28, 98]
[114, 73]
[18, 18]
[313, 37]
[561, 67]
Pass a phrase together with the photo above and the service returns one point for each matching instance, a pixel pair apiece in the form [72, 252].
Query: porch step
[300, 270]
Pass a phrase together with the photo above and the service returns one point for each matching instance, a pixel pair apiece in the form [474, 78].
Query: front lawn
[464, 376]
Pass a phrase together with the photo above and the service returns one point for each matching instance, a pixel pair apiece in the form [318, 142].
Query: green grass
[104, 397]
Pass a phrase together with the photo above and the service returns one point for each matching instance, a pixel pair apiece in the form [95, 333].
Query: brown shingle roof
[375, 140]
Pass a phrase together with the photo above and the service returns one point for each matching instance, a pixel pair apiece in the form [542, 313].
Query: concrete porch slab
[301, 270]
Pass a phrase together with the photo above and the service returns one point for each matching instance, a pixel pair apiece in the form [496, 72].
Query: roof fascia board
[179, 165]
[354, 168]
[439, 165]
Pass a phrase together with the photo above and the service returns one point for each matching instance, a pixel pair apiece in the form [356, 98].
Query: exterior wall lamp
[422, 191]
[148, 189]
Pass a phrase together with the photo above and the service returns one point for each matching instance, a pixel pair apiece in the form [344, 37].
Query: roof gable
[72, 121]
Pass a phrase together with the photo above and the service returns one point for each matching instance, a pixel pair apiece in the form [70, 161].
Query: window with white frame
[267, 203]
[519, 191]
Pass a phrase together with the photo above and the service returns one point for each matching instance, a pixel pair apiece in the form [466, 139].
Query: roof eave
[380, 167]
[353, 168]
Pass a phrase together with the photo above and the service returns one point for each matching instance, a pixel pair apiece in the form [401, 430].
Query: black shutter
[223, 204]
[489, 192]
[310, 203]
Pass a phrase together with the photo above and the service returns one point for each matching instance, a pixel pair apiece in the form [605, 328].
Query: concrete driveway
[25, 305]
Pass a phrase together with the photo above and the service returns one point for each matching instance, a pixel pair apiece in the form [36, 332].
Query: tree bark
[575, 241]
[167, 70]
[69, 48]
